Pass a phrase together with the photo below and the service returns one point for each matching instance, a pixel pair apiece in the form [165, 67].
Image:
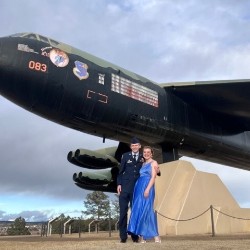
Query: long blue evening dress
[143, 220]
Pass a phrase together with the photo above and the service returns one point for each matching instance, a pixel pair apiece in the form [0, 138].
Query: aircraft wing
[227, 102]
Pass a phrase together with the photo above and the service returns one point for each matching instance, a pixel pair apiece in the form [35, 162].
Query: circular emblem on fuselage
[59, 58]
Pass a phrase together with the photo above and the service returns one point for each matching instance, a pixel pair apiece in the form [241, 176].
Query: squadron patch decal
[81, 70]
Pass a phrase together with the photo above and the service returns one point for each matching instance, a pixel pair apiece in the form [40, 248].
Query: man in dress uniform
[131, 164]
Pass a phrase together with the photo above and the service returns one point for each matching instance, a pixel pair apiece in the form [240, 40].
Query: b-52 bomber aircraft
[208, 120]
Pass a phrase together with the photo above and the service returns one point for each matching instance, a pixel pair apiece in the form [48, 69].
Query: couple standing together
[135, 187]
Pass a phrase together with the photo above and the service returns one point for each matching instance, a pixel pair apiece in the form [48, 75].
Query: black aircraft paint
[204, 120]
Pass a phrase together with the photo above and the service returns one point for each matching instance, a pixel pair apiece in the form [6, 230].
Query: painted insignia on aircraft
[134, 90]
[59, 58]
[45, 51]
[25, 48]
[81, 70]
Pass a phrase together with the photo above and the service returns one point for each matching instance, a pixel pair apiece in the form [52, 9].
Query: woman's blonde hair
[148, 147]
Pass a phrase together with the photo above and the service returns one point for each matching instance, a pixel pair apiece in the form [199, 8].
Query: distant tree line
[81, 225]
[97, 207]
[18, 227]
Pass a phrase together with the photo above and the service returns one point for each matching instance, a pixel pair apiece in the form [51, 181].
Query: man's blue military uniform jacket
[129, 172]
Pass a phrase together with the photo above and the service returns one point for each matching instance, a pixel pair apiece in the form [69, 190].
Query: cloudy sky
[163, 40]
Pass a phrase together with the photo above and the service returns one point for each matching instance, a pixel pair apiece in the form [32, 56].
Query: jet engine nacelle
[100, 180]
[105, 169]
[98, 159]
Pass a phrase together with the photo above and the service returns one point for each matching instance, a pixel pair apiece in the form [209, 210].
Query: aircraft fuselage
[82, 92]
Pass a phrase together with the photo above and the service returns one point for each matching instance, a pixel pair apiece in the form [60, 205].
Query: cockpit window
[17, 35]
[27, 35]
[44, 39]
[37, 37]
[31, 36]
[53, 42]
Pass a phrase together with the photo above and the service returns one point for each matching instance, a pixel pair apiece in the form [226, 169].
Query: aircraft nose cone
[4, 63]
[1, 51]
[2, 60]
[12, 85]
[5, 56]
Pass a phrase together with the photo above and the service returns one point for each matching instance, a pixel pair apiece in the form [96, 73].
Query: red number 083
[37, 66]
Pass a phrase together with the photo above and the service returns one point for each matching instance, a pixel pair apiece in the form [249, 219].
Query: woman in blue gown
[143, 219]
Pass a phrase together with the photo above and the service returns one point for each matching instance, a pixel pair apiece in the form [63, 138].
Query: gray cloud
[27, 215]
[34, 155]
